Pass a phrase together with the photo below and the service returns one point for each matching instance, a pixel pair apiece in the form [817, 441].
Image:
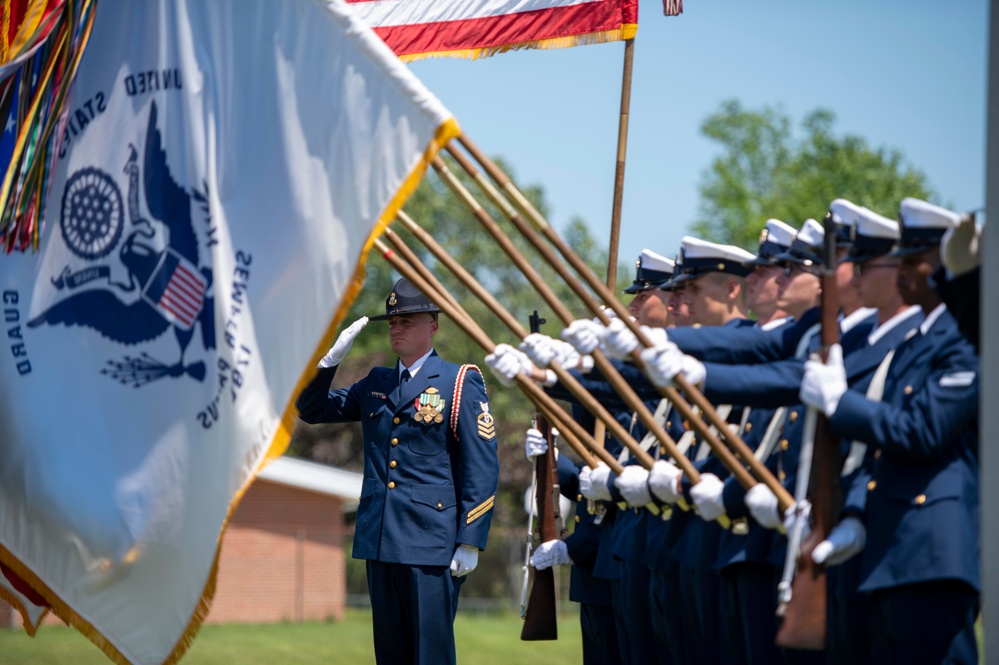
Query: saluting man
[430, 477]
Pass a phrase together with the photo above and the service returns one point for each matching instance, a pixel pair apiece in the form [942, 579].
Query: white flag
[223, 171]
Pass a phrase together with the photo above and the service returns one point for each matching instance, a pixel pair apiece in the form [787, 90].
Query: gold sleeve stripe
[481, 509]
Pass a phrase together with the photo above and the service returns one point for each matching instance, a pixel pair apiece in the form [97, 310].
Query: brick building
[283, 552]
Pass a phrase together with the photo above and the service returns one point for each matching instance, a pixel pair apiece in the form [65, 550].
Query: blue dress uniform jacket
[923, 499]
[427, 487]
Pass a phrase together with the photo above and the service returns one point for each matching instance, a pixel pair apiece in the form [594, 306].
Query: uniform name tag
[957, 379]
[375, 393]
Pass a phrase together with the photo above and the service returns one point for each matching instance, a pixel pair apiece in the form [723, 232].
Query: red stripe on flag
[517, 28]
[191, 289]
[178, 309]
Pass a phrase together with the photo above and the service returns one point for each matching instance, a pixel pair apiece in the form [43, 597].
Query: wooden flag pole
[544, 402]
[568, 380]
[622, 151]
[726, 456]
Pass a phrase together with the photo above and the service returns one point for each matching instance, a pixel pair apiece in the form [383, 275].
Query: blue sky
[909, 74]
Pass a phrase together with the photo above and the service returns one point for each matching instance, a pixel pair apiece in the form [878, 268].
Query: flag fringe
[61, 37]
[16, 603]
[626, 31]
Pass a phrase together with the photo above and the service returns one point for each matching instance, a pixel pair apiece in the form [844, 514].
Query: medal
[428, 407]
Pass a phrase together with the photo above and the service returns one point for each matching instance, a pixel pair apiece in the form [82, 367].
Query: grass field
[481, 638]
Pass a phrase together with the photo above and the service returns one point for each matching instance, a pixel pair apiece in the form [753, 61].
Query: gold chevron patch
[486, 422]
[481, 509]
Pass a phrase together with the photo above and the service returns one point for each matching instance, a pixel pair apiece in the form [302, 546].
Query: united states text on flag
[417, 29]
[223, 170]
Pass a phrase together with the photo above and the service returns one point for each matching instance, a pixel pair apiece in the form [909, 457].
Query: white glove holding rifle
[339, 350]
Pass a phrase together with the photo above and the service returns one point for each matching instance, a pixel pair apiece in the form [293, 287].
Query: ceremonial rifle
[804, 603]
[540, 616]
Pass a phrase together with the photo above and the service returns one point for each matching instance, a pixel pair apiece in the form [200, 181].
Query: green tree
[767, 170]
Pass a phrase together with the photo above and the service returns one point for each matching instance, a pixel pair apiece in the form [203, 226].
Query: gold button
[793, 416]
[579, 497]
[439, 505]
[784, 445]
[877, 454]
[920, 500]
[749, 427]
[577, 519]
[871, 485]
[371, 415]
[396, 420]
[908, 390]
[782, 476]
[393, 464]
[391, 485]
[395, 442]
[662, 450]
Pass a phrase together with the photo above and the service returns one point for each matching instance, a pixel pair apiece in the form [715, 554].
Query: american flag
[177, 290]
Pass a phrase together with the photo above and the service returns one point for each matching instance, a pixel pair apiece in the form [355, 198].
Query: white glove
[663, 483]
[693, 370]
[959, 247]
[593, 482]
[551, 553]
[543, 350]
[585, 335]
[823, 384]
[791, 515]
[618, 340]
[536, 444]
[707, 496]
[633, 484]
[762, 504]
[464, 561]
[342, 345]
[662, 363]
[506, 362]
[845, 541]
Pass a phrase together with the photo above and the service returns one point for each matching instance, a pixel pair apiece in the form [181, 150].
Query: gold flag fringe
[16, 603]
[43, 83]
[626, 31]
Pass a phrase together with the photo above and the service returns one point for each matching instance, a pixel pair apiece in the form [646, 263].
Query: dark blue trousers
[667, 613]
[848, 616]
[931, 622]
[412, 611]
[622, 619]
[748, 613]
[635, 579]
[599, 635]
[699, 593]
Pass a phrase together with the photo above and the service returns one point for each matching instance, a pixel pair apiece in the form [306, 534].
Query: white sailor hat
[876, 236]
[775, 239]
[651, 270]
[923, 226]
[807, 246]
[699, 257]
[844, 221]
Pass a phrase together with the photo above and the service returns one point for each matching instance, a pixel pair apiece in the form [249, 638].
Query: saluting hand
[339, 350]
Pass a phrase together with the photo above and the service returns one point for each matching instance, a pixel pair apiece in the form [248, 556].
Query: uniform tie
[404, 377]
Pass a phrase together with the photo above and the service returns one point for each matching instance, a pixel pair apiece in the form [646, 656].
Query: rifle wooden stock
[573, 433]
[804, 625]
[541, 618]
[733, 459]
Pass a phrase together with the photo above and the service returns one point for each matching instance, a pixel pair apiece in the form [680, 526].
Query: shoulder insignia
[485, 421]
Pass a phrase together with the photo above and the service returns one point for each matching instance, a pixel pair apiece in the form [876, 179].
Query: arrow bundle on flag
[223, 171]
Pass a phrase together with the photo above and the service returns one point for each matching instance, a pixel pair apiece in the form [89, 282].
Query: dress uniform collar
[931, 318]
[880, 331]
[415, 367]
